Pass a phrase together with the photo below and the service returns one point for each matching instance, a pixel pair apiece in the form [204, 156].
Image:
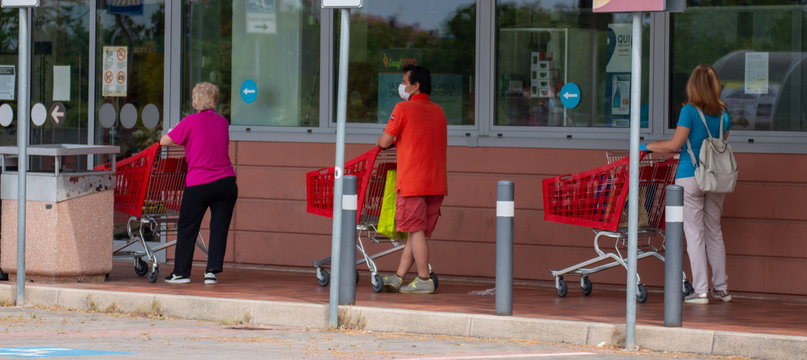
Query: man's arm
[385, 140]
[166, 141]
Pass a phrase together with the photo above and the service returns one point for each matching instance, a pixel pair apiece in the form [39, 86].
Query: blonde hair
[205, 96]
[703, 90]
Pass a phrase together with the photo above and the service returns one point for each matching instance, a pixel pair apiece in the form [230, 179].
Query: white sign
[345, 4]
[756, 73]
[7, 81]
[114, 76]
[618, 49]
[61, 83]
[20, 3]
[261, 17]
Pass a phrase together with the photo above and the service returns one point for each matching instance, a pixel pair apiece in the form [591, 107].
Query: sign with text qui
[114, 75]
[610, 6]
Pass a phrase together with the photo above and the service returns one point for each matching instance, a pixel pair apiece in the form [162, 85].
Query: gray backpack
[717, 170]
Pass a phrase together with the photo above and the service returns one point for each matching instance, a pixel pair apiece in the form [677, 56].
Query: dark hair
[420, 75]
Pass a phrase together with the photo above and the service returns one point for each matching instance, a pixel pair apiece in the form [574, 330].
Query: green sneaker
[419, 286]
[392, 283]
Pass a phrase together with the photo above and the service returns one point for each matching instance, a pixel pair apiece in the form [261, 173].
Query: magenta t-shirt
[206, 138]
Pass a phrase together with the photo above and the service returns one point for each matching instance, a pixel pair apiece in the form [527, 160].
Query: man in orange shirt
[418, 129]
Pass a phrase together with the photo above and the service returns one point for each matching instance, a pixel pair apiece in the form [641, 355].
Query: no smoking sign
[115, 61]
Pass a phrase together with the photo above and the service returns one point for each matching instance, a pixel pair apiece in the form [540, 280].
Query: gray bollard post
[674, 253]
[505, 208]
[347, 273]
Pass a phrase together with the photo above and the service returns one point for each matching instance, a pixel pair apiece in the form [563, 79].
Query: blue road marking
[43, 352]
[570, 95]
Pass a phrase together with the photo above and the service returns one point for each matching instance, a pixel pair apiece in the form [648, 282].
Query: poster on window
[618, 48]
[620, 94]
[756, 73]
[7, 78]
[114, 75]
[261, 17]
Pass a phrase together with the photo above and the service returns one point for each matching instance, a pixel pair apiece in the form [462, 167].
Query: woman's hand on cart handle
[644, 148]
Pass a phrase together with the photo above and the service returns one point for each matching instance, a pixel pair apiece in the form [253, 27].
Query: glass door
[129, 58]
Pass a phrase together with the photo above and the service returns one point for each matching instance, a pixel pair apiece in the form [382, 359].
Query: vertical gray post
[505, 208]
[347, 273]
[674, 253]
[341, 114]
[23, 118]
[633, 182]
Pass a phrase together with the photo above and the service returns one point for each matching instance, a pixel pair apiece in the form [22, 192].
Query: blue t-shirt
[690, 118]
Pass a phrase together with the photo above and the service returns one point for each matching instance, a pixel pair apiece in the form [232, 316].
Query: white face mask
[402, 92]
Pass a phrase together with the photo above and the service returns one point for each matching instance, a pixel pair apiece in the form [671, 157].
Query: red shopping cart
[370, 170]
[149, 187]
[597, 198]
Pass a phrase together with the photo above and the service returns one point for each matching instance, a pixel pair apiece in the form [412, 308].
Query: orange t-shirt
[420, 127]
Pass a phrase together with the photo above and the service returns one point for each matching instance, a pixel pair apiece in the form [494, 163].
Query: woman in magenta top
[210, 183]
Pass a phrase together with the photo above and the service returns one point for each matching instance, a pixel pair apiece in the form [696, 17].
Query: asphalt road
[41, 333]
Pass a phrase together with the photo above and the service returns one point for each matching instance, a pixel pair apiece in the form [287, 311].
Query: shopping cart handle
[565, 176]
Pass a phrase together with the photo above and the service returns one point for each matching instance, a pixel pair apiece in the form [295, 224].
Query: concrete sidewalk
[301, 314]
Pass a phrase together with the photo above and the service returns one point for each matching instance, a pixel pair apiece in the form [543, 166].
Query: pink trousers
[702, 211]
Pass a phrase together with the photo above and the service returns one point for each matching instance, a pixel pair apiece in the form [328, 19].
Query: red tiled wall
[764, 223]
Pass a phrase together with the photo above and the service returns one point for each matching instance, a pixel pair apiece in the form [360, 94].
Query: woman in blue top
[702, 210]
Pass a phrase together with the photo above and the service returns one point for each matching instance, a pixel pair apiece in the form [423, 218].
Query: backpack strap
[689, 145]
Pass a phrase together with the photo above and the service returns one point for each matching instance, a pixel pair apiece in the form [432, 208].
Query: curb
[292, 314]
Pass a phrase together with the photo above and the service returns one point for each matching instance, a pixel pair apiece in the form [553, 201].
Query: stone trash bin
[68, 216]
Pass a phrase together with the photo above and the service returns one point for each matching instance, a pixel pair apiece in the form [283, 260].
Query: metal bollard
[674, 254]
[347, 273]
[505, 208]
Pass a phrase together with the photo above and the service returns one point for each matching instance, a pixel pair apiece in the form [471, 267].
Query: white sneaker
[721, 294]
[176, 279]
[210, 278]
[696, 298]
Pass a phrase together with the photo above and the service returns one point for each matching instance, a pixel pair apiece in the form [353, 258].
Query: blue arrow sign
[249, 91]
[570, 95]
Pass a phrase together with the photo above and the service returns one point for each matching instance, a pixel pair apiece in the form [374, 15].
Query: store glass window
[129, 66]
[59, 71]
[759, 50]
[9, 38]
[263, 55]
[387, 35]
[543, 45]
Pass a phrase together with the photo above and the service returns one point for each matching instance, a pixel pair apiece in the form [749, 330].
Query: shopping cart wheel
[433, 276]
[323, 278]
[562, 287]
[641, 294]
[377, 283]
[585, 285]
[155, 272]
[141, 268]
[688, 289]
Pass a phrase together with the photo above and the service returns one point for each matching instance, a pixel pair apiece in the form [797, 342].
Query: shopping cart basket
[597, 198]
[370, 170]
[149, 187]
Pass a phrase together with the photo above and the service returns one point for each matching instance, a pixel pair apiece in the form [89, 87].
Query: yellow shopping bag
[386, 221]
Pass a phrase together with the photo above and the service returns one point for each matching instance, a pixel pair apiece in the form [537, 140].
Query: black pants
[220, 197]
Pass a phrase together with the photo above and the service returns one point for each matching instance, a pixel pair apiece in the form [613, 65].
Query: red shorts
[417, 213]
